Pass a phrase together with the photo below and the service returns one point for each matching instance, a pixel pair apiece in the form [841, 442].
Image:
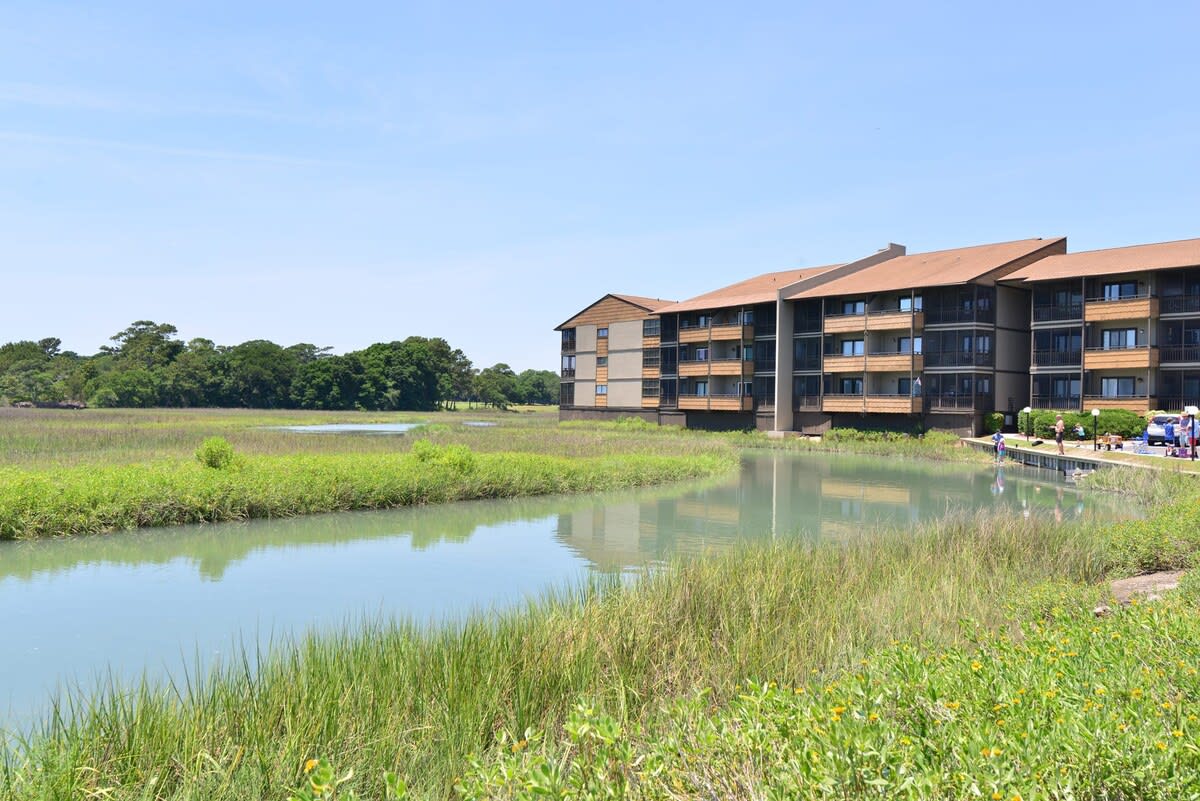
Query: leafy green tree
[496, 386]
[135, 388]
[23, 351]
[258, 375]
[146, 344]
[195, 377]
[331, 382]
[537, 386]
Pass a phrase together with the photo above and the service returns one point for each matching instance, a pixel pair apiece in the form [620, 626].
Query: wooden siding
[693, 369]
[728, 332]
[1132, 404]
[716, 403]
[898, 363]
[845, 364]
[1133, 309]
[733, 367]
[601, 375]
[848, 324]
[1131, 357]
[693, 335]
[651, 342]
[842, 403]
[608, 310]
[891, 404]
[651, 372]
[649, 403]
[892, 321]
[601, 400]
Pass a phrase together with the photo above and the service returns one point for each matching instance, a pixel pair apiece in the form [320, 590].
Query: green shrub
[993, 422]
[215, 452]
[1111, 421]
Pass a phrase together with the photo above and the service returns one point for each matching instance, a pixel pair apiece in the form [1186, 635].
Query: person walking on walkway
[1059, 428]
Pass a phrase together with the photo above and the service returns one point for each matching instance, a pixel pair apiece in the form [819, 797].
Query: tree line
[148, 365]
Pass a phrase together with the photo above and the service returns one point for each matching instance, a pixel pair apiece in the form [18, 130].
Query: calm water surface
[153, 601]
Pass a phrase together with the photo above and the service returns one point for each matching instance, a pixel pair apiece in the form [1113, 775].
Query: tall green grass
[41, 503]
[392, 695]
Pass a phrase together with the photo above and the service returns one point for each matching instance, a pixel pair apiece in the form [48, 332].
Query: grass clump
[215, 452]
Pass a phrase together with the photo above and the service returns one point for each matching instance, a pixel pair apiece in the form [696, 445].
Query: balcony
[843, 323]
[957, 316]
[716, 403]
[950, 402]
[894, 362]
[806, 402]
[704, 367]
[1064, 402]
[568, 372]
[834, 402]
[715, 332]
[1057, 358]
[1179, 304]
[693, 333]
[958, 358]
[1133, 308]
[893, 404]
[1179, 354]
[1134, 403]
[1057, 312]
[1101, 359]
[893, 319]
[845, 364]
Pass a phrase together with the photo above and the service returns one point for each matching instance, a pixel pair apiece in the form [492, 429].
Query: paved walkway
[1155, 457]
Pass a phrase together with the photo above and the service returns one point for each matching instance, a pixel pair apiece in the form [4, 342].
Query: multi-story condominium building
[925, 334]
[610, 356]
[933, 339]
[1116, 328]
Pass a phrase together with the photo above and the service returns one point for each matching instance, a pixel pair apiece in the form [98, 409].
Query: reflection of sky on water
[156, 600]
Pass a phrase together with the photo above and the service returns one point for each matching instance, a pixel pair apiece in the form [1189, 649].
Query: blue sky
[349, 173]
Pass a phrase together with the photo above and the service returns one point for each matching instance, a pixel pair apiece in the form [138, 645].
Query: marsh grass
[394, 695]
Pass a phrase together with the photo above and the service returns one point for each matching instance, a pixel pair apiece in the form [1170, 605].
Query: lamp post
[1191, 412]
[1028, 412]
[1095, 429]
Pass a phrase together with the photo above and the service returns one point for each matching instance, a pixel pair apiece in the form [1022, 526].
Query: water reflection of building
[783, 495]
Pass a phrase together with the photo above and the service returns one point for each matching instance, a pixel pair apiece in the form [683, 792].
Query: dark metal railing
[958, 358]
[942, 316]
[568, 372]
[1056, 401]
[1180, 353]
[951, 401]
[1057, 311]
[1179, 304]
[1138, 296]
[806, 402]
[1057, 358]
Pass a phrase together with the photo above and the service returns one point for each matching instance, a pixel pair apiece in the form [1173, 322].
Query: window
[748, 351]
[747, 389]
[852, 347]
[918, 344]
[701, 355]
[851, 386]
[983, 343]
[853, 307]
[602, 389]
[649, 388]
[910, 303]
[568, 363]
[1118, 338]
[601, 333]
[651, 328]
[1117, 387]
[903, 386]
[748, 317]
[650, 357]
[602, 361]
[702, 389]
[1120, 289]
[566, 394]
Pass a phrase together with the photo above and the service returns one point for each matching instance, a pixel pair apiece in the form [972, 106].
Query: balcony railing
[568, 372]
[806, 402]
[1057, 311]
[950, 401]
[1172, 403]
[1057, 358]
[958, 358]
[1179, 304]
[1179, 353]
[809, 363]
[943, 316]
[1138, 296]
[1056, 401]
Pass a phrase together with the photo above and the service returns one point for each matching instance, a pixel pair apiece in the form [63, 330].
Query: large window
[651, 328]
[850, 386]
[650, 357]
[852, 347]
[1118, 338]
[568, 366]
[566, 394]
[601, 333]
[908, 344]
[1115, 290]
[1117, 387]
[854, 307]
[649, 388]
[602, 389]
[910, 303]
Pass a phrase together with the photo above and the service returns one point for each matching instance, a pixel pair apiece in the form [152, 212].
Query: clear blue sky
[345, 173]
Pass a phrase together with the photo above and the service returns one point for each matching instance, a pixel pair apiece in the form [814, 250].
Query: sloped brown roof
[759, 289]
[645, 305]
[649, 304]
[1134, 258]
[937, 268]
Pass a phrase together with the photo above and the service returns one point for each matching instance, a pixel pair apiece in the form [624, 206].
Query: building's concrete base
[590, 413]
[964, 424]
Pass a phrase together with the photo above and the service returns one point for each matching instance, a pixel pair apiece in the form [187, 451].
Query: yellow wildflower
[311, 765]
